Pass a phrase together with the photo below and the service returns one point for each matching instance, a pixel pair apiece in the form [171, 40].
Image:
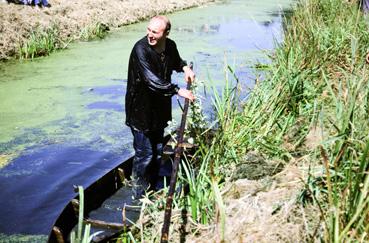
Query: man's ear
[167, 32]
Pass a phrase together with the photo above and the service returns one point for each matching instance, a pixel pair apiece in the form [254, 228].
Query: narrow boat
[103, 205]
[94, 197]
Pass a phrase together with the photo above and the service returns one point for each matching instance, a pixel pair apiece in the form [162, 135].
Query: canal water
[62, 116]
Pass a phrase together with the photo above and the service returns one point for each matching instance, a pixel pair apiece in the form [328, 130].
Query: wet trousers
[148, 168]
[364, 6]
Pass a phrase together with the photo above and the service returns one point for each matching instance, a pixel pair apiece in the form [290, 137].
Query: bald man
[148, 101]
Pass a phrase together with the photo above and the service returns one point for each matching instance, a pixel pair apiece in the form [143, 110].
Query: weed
[96, 30]
[41, 43]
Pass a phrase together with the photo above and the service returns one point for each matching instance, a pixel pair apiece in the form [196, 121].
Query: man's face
[156, 33]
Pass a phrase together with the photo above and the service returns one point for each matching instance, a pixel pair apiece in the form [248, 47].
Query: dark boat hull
[94, 196]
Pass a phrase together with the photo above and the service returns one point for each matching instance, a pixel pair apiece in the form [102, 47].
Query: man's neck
[160, 47]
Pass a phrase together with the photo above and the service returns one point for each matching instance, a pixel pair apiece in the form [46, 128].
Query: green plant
[95, 30]
[318, 79]
[87, 236]
[41, 43]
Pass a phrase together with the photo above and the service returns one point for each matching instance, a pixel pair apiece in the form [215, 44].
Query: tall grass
[96, 30]
[41, 43]
[203, 171]
[319, 80]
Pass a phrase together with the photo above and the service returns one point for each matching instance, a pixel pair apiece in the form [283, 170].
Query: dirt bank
[71, 17]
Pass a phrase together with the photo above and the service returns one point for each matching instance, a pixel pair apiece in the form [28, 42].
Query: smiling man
[148, 101]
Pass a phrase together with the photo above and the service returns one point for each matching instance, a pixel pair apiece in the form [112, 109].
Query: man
[148, 100]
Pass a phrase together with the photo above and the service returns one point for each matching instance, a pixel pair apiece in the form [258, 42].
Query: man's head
[158, 30]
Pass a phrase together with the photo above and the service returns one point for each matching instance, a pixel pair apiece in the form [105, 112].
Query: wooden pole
[173, 179]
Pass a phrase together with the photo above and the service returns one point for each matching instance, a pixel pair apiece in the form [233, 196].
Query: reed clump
[314, 104]
[96, 30]
[40, 43]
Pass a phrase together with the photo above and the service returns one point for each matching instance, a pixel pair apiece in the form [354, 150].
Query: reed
[215, 150]
[41, 43]
[200, 197]
[97, 30]
[78, 237]
[319, 80]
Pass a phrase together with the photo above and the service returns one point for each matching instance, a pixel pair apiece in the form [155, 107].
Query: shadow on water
[105, 105]
[112, 92]
[41, 180]
[64, 119]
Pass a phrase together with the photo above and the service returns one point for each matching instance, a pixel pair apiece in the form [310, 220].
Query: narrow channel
[62, 116]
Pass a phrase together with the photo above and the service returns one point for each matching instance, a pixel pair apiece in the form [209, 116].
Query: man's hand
[185, 93]
[189, 74]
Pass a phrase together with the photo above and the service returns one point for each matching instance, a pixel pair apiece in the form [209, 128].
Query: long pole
[173, 179]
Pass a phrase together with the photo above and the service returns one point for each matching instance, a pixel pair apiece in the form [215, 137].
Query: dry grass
[265, 210]
[70, 17]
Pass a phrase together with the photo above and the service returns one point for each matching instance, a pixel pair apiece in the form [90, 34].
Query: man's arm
[179, 64]
[189, 77]
[153, 81]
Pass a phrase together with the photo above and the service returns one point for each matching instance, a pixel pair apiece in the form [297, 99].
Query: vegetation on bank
[43, 42]
[313, 105]
[316, 105]
[28, 32]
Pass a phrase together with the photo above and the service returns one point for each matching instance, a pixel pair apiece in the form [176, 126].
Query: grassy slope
[32, 31]
[314, 106]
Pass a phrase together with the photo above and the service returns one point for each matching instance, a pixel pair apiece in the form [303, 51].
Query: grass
[43, 42]
[319, 80]
[40, 43]
[97, 30]
[83, 234]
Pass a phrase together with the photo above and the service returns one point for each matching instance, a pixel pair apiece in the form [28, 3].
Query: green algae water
[62, 116]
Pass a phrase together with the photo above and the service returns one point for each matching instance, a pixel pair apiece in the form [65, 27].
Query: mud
[254, 166]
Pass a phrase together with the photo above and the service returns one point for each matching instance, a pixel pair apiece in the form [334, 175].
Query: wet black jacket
[149, 88]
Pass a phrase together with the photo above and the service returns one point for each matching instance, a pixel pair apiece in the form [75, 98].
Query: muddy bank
[70, 18]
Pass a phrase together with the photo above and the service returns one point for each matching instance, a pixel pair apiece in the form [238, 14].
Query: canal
[62, 116]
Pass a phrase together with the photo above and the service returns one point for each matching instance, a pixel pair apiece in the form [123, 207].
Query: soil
[71, 17]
